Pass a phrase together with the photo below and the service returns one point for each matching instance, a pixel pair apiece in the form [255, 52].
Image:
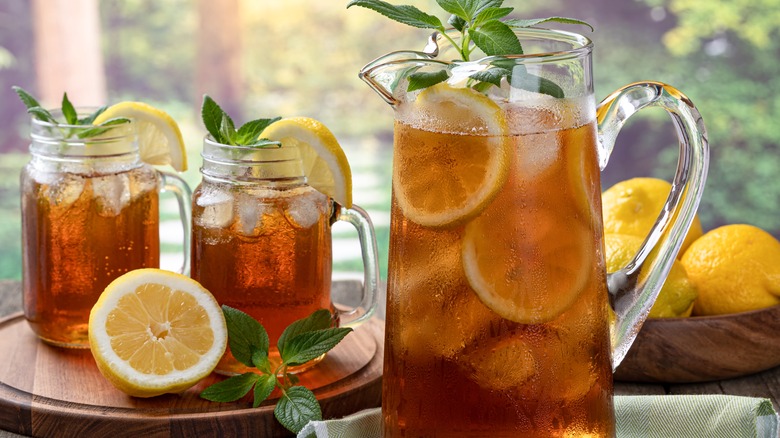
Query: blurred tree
[68, 56]
[218, 68]
[149, 50]
[729, 52]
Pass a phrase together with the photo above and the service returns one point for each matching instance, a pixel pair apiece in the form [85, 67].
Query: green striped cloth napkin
[645, 416]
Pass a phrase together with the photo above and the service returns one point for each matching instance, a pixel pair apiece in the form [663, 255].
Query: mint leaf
[535, 21]
[484, 4]
[42, 114]
[26, 97]
[102, 128]
[263, 388]
[250, 131]
[496, 38]
[491, 13]
[262, 143]
[231, 389]
[492, 75]
[457, 22]
[462, 8]
[311, 345]
[68, 111]
[245, 335]
[261, 362]
[321, 319]
[227, 131]
[212, 116]
[296, 408]
[536, 84]
[405, 14]
[422, 80]
[91, 118]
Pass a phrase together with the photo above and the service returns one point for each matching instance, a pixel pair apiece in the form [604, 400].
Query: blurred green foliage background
[301, 57]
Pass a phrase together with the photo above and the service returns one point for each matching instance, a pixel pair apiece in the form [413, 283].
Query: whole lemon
[632, 207]
[736, 268]
[678, 293]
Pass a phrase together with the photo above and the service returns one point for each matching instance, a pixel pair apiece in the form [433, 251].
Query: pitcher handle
[174, 184]
[634, 288]
[362, 223]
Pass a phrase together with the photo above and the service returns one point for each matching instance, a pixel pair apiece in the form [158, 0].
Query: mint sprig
[69, 115]
[222, 128]
[302, 341]
[482, 25]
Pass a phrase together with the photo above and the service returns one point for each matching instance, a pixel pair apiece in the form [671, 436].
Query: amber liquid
[266, 252]
[80, 233]
[454, 367]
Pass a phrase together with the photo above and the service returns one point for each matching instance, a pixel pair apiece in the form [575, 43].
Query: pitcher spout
[386, 73]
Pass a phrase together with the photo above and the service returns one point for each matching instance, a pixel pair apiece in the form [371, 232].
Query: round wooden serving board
[48, 391]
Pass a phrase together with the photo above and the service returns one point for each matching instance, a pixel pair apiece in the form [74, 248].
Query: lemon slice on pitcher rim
[154, 332]
[324, 161]
[455, 159]
[159, 138]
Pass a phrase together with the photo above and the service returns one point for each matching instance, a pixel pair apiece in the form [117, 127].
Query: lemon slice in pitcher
[522, 266]
[154, 332]
[159, 138]
[324, 161]
[452, 159]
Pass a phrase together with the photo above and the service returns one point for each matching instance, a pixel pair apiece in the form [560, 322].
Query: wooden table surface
[765, 384]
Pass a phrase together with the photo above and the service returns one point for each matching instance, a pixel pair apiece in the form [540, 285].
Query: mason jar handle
[634, 288]
[174, 184]
[362, 223]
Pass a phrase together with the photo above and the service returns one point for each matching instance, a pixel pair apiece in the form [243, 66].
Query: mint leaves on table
[481, 25]
[302, 341]
[221, 127]
[69, 115]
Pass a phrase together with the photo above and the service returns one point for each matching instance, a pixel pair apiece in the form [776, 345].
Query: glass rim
[580, 46]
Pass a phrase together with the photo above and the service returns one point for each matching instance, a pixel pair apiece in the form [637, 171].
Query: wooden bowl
[703, 348]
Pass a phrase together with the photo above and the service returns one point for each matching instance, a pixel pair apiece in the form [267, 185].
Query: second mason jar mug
[90, 213]
[261, 240]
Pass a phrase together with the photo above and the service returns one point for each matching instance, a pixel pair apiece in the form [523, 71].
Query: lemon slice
[530, 272]
[449, 171]
[154, 332]
[159, 137]
[324, 161]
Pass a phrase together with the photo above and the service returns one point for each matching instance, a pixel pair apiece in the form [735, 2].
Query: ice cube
[249, 215]
[112, 193]
[305, 210]
[217, 208]
[501, 363]
[142, 181]
[65, 190]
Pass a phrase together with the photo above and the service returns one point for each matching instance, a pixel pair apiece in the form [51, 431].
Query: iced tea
[80, 232]
[265, 249]
[496, 319]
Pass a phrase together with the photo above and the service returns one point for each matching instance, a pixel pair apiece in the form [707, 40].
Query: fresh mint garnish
[481, 26]
[69, 114]
[302, 341]
[223, 130]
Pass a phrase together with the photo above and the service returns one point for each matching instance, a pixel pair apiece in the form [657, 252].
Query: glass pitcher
[90, 213]
[497, 307]
[261, 241]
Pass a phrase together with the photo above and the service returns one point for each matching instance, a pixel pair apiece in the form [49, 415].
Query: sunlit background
[301, 57]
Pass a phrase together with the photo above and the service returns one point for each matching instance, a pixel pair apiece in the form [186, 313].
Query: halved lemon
[447, 171]
[159, 137]
[154, 332]
[324, 161]
[524, 264]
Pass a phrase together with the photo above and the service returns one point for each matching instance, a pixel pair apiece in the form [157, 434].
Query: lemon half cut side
[153, 332]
